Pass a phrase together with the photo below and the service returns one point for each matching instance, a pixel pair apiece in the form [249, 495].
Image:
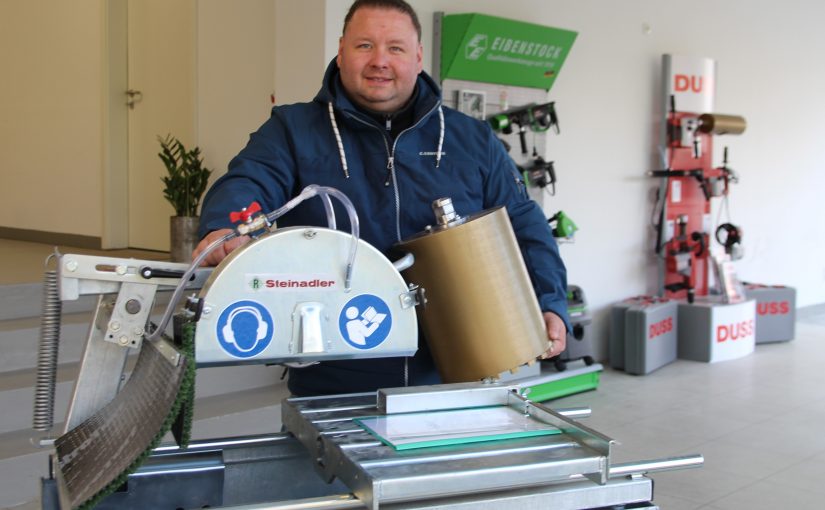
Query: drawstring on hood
[425, 101]
[343, 155]
[341, 152]
[440, 136]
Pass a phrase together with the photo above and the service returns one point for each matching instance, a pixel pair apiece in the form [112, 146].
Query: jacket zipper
[391, 162]
[391, 175]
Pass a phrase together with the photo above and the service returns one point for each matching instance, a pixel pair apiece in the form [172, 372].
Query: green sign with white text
[482, 48]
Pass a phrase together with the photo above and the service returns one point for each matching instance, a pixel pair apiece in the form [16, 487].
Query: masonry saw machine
[302, 295]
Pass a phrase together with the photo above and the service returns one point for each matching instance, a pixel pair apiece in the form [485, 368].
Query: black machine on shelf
[579, 344]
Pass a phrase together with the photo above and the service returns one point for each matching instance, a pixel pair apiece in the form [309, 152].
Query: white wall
[236, 75]
[51, 115]
[54, 129]
[608, 97]
[299, 47]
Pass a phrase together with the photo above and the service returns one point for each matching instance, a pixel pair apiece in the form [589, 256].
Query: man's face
[379, 56]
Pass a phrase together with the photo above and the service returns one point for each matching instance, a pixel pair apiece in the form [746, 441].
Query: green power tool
[563, 226]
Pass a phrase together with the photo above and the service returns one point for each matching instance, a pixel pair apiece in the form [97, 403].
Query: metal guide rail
[377, 474]
[325, 459]
[276, 472]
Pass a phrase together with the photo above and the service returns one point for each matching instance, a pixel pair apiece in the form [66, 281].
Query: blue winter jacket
[392, 184]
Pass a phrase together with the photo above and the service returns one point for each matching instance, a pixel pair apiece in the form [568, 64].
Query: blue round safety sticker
[244, 329]
[365, 321]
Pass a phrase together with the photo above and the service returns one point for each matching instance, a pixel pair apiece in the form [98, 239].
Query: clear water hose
[173, 301]
[323, 192]
[330, 211]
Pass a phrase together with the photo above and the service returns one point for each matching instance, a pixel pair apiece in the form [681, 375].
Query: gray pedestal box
[643, 334]
[616, 341]
[775, 311]
[711, 330]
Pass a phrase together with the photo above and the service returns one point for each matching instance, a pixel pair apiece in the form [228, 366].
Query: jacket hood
[429, 93]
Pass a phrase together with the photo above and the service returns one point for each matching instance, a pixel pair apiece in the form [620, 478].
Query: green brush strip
[187, 411]
[187, 386]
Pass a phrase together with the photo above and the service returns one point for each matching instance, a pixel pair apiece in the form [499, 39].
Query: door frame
[115, 132]
[118, 214]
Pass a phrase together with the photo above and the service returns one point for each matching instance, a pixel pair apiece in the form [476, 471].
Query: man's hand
[219, 253]
[556, 333]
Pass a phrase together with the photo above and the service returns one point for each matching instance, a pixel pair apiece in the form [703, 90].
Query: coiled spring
[47, 352]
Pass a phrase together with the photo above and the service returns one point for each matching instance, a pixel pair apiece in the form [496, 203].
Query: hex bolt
[115, 326]
[123, 340]
[71, 265]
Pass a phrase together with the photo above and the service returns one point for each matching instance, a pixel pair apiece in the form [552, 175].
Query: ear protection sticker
[244, 329]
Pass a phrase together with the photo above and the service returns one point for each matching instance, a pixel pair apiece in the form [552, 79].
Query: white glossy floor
[759, 422]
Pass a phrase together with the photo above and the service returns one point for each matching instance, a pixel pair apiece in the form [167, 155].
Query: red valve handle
[245, 213]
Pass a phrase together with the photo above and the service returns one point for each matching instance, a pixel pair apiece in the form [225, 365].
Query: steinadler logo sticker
[290, 282]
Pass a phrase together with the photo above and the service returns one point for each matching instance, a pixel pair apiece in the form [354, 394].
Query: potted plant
[184, 183]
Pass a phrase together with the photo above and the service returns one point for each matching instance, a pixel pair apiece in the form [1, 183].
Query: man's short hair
[397, 5]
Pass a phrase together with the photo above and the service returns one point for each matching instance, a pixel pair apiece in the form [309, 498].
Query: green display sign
[483, 48]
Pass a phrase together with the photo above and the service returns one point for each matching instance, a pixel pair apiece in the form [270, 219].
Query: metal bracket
[415, 297]
[101, 368]
[582, 434]
[82, 275]
[125, 298]
[130, 314]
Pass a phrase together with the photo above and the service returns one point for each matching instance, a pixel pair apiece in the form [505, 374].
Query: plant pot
[184, 237]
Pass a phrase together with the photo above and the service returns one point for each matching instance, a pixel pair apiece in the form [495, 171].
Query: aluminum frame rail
[275, 472]
[378, 474]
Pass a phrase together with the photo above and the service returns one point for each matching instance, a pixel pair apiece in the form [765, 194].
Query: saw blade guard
[306, 294]
[282, 298]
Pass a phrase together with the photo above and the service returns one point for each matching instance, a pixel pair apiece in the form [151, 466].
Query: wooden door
[161, 80]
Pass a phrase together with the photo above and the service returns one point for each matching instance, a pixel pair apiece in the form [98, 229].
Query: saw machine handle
[405, 262]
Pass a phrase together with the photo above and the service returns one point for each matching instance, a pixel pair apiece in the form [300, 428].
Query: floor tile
[704, 485]
[682, 422]
[777, 435]
[769, 496]
[667, 502]
[806, 475]
[733, 458]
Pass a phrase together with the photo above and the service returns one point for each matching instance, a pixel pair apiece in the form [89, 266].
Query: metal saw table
[570, 470]
[294, 296]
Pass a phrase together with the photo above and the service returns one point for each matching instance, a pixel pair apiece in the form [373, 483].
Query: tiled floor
[758, 421]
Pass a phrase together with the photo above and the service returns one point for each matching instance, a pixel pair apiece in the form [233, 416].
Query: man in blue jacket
[378, 132]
